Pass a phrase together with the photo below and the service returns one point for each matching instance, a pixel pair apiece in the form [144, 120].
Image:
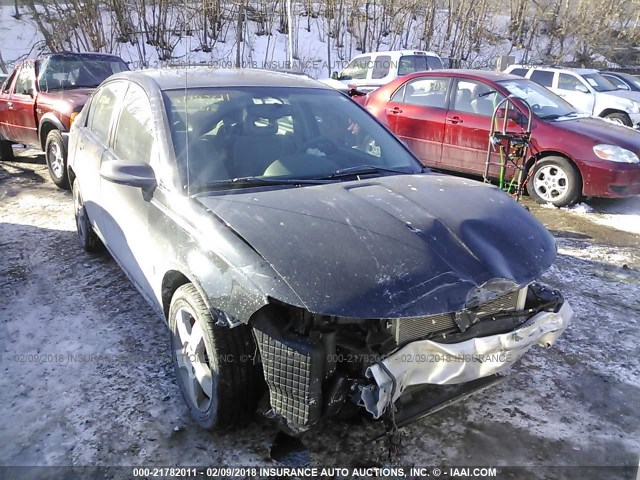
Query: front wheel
[555, 180]
[215, 366]
[55, 152]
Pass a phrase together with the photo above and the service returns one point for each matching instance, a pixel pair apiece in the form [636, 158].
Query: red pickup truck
[41, 98]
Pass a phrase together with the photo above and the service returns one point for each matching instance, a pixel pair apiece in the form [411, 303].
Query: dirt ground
[86, 377]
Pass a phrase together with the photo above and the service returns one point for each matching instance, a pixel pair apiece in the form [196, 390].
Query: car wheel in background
[88, 238]
[555, 180]
[214, 365]
[6, 150]
[55, 152]
[620, 118]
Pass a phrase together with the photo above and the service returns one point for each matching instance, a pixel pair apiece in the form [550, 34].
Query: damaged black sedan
[298, 250]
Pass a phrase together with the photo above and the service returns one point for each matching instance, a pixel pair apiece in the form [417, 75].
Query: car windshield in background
[543, 102]
[236, 136]
[61, 72]
[599, 83]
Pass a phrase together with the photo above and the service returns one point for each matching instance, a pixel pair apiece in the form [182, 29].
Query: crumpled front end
[430, 362]
[318, 365]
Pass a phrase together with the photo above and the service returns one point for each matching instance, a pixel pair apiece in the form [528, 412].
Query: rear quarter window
[542, 77]
[521, 72]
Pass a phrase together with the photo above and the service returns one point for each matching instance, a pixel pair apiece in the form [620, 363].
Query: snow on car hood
[395, 246]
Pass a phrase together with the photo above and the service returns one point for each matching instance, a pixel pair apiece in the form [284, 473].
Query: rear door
[91, 143]
[22, 106]
[416, 114]
[6, 108]
[467, 128]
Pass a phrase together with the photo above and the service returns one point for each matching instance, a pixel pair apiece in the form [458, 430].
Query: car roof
[78, 54]
[465, 73]
[579, 71]
[202, 77]
[400, 52]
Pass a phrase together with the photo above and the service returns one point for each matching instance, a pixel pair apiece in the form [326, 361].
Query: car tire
[620, 118]
[6, 150]
[215, 365]
[55, 152]
[87, 236]
[555, 180]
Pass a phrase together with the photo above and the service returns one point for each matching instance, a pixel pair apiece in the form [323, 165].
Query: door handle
[395, 110]
[454, 120]
[10, 105]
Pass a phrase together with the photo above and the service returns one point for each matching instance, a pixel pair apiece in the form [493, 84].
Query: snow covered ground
[86, 377]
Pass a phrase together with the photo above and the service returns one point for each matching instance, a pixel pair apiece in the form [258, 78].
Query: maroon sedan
[445, 118]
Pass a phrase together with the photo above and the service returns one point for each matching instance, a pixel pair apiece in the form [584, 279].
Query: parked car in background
[623, 81]
[372, 70]
[41, 98]
[245, 210]
[587, 90]
[445, 118]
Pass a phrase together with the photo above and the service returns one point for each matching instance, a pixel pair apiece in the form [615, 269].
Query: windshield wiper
[364, 170]
[261, 181]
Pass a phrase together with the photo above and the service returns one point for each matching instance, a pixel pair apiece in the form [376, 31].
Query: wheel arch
[172, 280]
[609, 111]
[47, 123]
[551, 153]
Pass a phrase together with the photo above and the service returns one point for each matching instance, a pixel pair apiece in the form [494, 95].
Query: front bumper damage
[429, 362]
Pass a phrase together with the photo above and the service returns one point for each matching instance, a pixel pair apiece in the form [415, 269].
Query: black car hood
[601, 131]
[396, 246]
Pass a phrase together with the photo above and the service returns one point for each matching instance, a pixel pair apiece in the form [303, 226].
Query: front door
[127, 227]
[574, 91]
[468, 127]
[416, 114]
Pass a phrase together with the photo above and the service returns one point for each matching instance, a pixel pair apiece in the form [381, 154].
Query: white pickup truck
[587, 91]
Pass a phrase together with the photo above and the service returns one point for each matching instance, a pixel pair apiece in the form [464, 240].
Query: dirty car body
[311, 232]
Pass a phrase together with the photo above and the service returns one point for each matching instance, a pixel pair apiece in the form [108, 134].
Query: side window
[7, 84]
[399, 95]
[569, 82]
[357, 69]
[618, 82]
[101, 111]
[542, 77]
[434, 63]
[427, 92]
[476, 97]
[134, 135]
[26, 80]
[412, 63]
[521, 72]
[381, 66]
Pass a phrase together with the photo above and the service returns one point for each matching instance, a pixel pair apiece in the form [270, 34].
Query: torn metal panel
[426, 361]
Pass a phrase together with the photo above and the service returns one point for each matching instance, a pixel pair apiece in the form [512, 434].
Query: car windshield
[599, 83]
[58, 72]
[630, 79]
[543, 103]
[264, 135]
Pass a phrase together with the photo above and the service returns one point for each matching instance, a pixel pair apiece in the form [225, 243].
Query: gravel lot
[87, 380]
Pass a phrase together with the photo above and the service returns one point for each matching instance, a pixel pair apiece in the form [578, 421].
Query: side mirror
[31, 92]
[334, 75]
[582, 89]
[622, 86]
[132, 174]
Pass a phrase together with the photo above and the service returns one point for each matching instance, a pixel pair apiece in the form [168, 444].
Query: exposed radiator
[407, 329]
